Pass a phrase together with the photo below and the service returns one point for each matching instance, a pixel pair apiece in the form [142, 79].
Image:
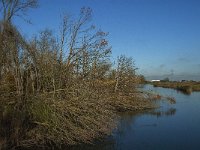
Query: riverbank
[153, 129]
[147, 102]
[62, 92]
[47, 121]
[186, 87]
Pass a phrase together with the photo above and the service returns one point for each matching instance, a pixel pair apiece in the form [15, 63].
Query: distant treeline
[185, 86]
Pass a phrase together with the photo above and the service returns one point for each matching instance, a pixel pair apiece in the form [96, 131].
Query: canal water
[170, 127]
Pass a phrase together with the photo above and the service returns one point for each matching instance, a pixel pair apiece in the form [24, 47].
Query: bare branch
[13, 8]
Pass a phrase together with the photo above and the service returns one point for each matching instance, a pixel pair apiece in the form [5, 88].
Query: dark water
[171, 127]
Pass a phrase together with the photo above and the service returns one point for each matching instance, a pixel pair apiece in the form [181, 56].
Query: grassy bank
[186, 86]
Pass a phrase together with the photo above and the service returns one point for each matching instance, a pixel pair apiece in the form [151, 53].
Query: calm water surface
[170, 127]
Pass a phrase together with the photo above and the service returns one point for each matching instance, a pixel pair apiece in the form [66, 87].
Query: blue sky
[163, 36]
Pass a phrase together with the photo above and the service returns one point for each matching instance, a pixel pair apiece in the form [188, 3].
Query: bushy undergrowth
[54, 119]
[55, 93]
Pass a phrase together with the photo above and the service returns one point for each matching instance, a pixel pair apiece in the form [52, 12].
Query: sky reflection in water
[172, 126]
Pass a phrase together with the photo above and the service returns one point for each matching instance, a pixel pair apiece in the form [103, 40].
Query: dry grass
[133, 102]
[49, 120]
[77, 117]
[187, 87]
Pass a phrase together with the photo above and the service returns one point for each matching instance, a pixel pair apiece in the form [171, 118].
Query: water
[170, 127]
[174, 127]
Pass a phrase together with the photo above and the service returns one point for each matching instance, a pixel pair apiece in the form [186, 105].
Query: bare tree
[58, 91]
[125, 74]
[11, 8]
[85, 15]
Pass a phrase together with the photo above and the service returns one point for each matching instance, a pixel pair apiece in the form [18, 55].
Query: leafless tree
[11, 8]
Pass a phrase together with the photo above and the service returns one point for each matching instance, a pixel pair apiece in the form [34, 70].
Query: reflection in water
[184, 92]
[127, 119]
[169, 112]
[157, 129]
[126, 125]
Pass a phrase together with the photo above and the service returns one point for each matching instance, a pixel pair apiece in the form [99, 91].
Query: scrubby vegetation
[60, 92]
[185, 86]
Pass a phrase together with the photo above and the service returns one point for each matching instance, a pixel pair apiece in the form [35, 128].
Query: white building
[155, 80]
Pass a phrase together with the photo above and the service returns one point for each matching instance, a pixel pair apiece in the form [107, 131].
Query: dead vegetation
[186, 87]
[64, 92]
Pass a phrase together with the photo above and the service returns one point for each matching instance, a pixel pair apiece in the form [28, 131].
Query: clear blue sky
[163, 36]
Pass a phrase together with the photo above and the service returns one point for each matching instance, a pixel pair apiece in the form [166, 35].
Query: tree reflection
[169, 112]
[126, 124]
